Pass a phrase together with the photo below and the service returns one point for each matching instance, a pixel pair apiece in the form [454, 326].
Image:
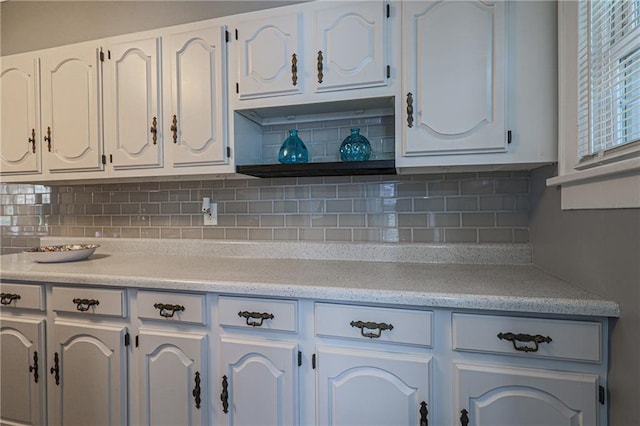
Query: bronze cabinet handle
[154, 130]
[47, 138]
[524, 338]
[174, 128]
[294, 69]
[255, 316]
[32, 140]
[8, 298]
[380, 326]
[464, 418]
[423, 414]
[224, 396]
[34, 368]
[167, 310]
[196, 390]
[320, 74]
[55, 370]
[83, 305]
[409, 109]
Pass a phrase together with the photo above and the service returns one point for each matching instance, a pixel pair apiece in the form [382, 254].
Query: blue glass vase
[293, 150]
[355, 147]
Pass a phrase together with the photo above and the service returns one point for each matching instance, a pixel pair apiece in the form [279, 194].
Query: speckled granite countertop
[469, 277]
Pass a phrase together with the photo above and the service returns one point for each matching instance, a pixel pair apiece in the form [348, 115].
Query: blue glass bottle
[355, 147]
[293, 150]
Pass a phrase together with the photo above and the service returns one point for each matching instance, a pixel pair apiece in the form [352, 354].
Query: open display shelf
[350, 168]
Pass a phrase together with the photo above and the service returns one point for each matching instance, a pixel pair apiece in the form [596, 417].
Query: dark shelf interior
[372, 167]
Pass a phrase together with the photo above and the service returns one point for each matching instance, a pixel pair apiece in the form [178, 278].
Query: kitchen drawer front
[90, 301]
[24, 296]
[256, 313]
[389, 325]
[572, 340]
[172, 307]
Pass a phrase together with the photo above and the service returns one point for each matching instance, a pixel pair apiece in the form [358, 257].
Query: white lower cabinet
[22, 368]
[372, 387]
[493, 395]
[88, 374]
[173, 376]
[259, 385]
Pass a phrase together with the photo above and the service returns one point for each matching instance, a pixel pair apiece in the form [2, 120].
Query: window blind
[608, 75]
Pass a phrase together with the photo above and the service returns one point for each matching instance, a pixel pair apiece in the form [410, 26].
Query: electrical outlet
[211, 218]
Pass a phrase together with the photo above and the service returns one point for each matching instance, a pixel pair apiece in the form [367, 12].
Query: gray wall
[598, 250]
[33, 25]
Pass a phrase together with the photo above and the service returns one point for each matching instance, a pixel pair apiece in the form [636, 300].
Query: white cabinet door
[270, 61]
[174, 373]
[350, 46]
[371, 387]
[20, 148]
[22, 367]
[195, 128]
[506, 396]
[88, 374]
[454, 77]
[70, 97]
[132, 104]
[261, 381]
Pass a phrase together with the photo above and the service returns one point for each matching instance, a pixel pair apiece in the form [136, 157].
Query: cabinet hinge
[226, 36]
[299, 358]
[388, 71]
[313, 361]
[236, 33]
[137, 341]
[104, 159]
[601, 394]
[508, 136]
[388, 10]
[127, 339]
[228, 152]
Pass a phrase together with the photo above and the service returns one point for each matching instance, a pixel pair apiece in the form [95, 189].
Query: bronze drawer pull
[294, 69]
[34, 368]
[464, 418]
[423, 414]
[224, 396]
[320, 67]
[371, 326]
[167, 310]
[409, 110]
[55, 370]
[174, 128]
[255, 316]
[524, 338]
[47, 138]
[32, 140]
[8, 298]
[154, 130]
[196, 390]
[83, 305]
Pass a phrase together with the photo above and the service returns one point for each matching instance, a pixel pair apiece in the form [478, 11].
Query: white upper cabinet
[350, 46]
[269, 56]
[479, 86]
[70, 96]
[454, 76]
[20, 148]
[308, 49]
[195, 123]
[132, 103]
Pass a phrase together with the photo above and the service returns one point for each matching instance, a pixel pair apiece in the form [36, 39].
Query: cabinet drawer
[91, 301]
[389, 325]
[173, 307]
[25, 296]
[265, 314]
[574, 340]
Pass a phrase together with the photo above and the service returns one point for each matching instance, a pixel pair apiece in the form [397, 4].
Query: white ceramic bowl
[65, 253]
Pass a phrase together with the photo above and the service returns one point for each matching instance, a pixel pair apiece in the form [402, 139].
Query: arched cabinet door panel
[454, 77]
[501, 396]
